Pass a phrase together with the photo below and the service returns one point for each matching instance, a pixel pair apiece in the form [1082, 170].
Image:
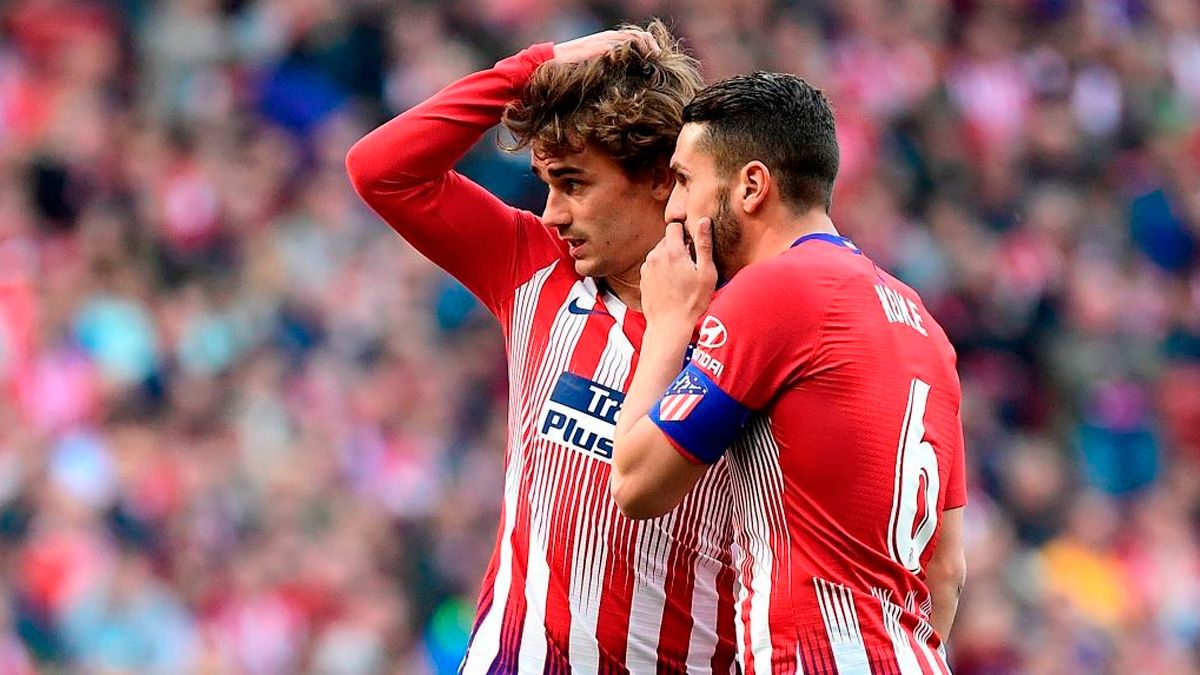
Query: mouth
[575, 246]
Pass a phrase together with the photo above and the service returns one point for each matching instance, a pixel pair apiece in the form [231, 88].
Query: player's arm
[947, 572]
[404, 170]
[649, 475]
[947, 569]
[753, 342]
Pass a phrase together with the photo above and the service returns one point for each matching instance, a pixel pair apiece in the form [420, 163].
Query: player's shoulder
[800, 273]
[795, 288]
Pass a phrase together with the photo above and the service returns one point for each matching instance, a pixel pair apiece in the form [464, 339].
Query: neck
[627, 286]
[775, 239]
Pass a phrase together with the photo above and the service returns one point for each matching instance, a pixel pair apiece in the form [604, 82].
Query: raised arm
[404, 171]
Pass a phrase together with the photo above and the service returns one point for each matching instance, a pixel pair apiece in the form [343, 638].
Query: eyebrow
[556, 172]
[560, 171]
[677, 167]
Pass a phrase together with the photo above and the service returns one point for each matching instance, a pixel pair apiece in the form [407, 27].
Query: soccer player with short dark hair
[573, 585]
[822, 381]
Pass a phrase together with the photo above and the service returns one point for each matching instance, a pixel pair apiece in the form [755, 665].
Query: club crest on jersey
[581, 415]
[681, 398]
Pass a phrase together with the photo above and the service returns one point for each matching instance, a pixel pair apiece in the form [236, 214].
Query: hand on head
[599, 44]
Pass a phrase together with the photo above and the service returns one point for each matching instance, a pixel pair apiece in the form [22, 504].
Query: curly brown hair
[626, 105]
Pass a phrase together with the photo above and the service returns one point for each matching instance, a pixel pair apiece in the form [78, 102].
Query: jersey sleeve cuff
[683, 452]
[520, 66]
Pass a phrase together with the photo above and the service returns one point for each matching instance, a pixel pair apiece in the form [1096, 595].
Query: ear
[662, 181]
[753, 187]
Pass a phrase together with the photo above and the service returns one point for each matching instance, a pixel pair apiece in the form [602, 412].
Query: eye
[571, 185]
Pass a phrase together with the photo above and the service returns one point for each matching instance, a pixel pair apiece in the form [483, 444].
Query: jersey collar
[831, 238]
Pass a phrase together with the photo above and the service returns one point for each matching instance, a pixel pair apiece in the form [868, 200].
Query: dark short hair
[777, 119]
[628, 106]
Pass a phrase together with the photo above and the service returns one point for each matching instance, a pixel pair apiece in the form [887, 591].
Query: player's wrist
[669, 329]
[521, 66]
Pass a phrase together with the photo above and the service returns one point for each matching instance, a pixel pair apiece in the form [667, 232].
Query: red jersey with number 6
[843, 396]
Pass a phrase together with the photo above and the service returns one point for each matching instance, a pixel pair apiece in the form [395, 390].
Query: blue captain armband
[698, 417]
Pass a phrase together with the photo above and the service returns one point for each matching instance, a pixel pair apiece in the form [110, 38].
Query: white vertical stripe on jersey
[756, 457]
[617, 357]
[486, 643]
[757, 549]
[587, 573]
[741, 595]
[590, 557]
[564, 336]
[652, 547]
[905, 656]
[933, 659]
[649, 593]
[615, 307]
[841, 624]
[760, 610]
[703, 641]
[705, 599]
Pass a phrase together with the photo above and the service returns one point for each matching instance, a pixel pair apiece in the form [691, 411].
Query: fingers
[642, 41]
[674, 232]
[668, 249]
[598, 44]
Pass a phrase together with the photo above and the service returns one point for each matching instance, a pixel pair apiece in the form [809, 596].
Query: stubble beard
[726, 235]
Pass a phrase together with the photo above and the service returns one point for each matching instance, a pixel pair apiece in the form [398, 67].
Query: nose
[556, 214]
[675, 210]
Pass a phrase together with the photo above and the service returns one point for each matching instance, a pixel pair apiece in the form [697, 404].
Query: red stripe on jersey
[615, 603]
[927, 668]
[488, 587]
[722, 660]
[514, 609]
[883, 660]
[559, 552]
[549, 303]
[561, 541]
[816, 654]
[676, 630]
[634, 326]
[612, 630]
[587, 354]
[747, 646]
[875, 636]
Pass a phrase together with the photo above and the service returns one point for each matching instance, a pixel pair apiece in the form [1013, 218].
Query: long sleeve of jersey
[404, 171]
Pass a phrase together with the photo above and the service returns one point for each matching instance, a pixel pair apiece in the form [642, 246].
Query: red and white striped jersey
[842, 394]
[573, 586]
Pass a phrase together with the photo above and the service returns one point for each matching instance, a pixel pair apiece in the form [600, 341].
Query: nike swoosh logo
[574, 308]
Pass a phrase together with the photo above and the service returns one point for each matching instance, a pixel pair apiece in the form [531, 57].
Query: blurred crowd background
[245, 429]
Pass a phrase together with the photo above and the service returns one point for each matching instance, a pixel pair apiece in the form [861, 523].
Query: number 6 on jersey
[915, 495]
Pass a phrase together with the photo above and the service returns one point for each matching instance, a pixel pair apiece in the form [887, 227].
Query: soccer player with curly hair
[573, 585]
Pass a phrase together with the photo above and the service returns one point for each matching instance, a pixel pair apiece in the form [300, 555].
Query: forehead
[589, 160]
[689, 148]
